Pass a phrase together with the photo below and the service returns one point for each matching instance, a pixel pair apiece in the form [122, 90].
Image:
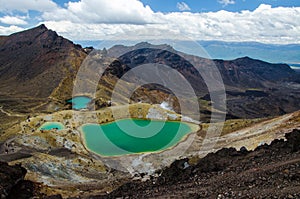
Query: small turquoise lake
[52, 125]
[79, 102]
[130, 136]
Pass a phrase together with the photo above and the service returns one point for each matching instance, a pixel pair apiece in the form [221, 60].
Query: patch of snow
[166, 105]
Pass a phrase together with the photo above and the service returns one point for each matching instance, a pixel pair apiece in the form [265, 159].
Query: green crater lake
[79, 102]
[52, 125]
[130, 136]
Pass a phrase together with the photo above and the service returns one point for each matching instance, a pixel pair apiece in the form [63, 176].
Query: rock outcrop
[12, 183]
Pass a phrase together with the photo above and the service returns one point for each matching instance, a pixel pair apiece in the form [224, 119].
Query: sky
[265, 21]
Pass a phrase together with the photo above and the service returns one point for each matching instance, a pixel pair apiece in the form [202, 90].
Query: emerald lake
[52, 125]
[79, 102]
[130, 136]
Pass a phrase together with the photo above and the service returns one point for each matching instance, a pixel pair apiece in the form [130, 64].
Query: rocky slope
[244, 72]
[37, 69]
[34, 62]
[270, 171]
[253, 88]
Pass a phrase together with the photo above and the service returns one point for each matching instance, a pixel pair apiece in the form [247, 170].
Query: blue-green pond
[79, 102]
[130, 136]
[52, 125]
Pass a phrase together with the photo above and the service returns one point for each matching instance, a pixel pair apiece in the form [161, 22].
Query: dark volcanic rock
[23, 189]
[271, 171]
[12, 183]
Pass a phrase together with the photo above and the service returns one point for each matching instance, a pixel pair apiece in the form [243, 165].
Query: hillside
[270, 171]
[36, 74]
[34, 62]
[243, 72]
[254, 88]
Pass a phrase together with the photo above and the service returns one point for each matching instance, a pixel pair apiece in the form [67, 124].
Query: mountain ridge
[36, 57]
[38, 63]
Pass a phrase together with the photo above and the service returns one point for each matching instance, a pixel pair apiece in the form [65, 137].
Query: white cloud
[103, 11]
[226, 2]
[183, 6]
[9, 30]
[13, 20]
[103, 19]
[264, 24]
[77, 31]
[25, 5]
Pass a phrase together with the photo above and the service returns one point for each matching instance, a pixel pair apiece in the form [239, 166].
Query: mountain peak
[42, 27]
[40, 36]
[28, 55]
[33, 31]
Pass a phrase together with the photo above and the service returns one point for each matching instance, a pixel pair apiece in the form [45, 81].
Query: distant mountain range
[273, 53]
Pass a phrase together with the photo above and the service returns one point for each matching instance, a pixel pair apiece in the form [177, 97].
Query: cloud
[90, 31]
[11, 20]
[26, 5]
[265, 24]
[103, 20]
[183, 6]
[226, 2]
[9, 30]
[103, 11]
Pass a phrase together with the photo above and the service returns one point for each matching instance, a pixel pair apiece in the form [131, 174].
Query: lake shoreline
[193, 128]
